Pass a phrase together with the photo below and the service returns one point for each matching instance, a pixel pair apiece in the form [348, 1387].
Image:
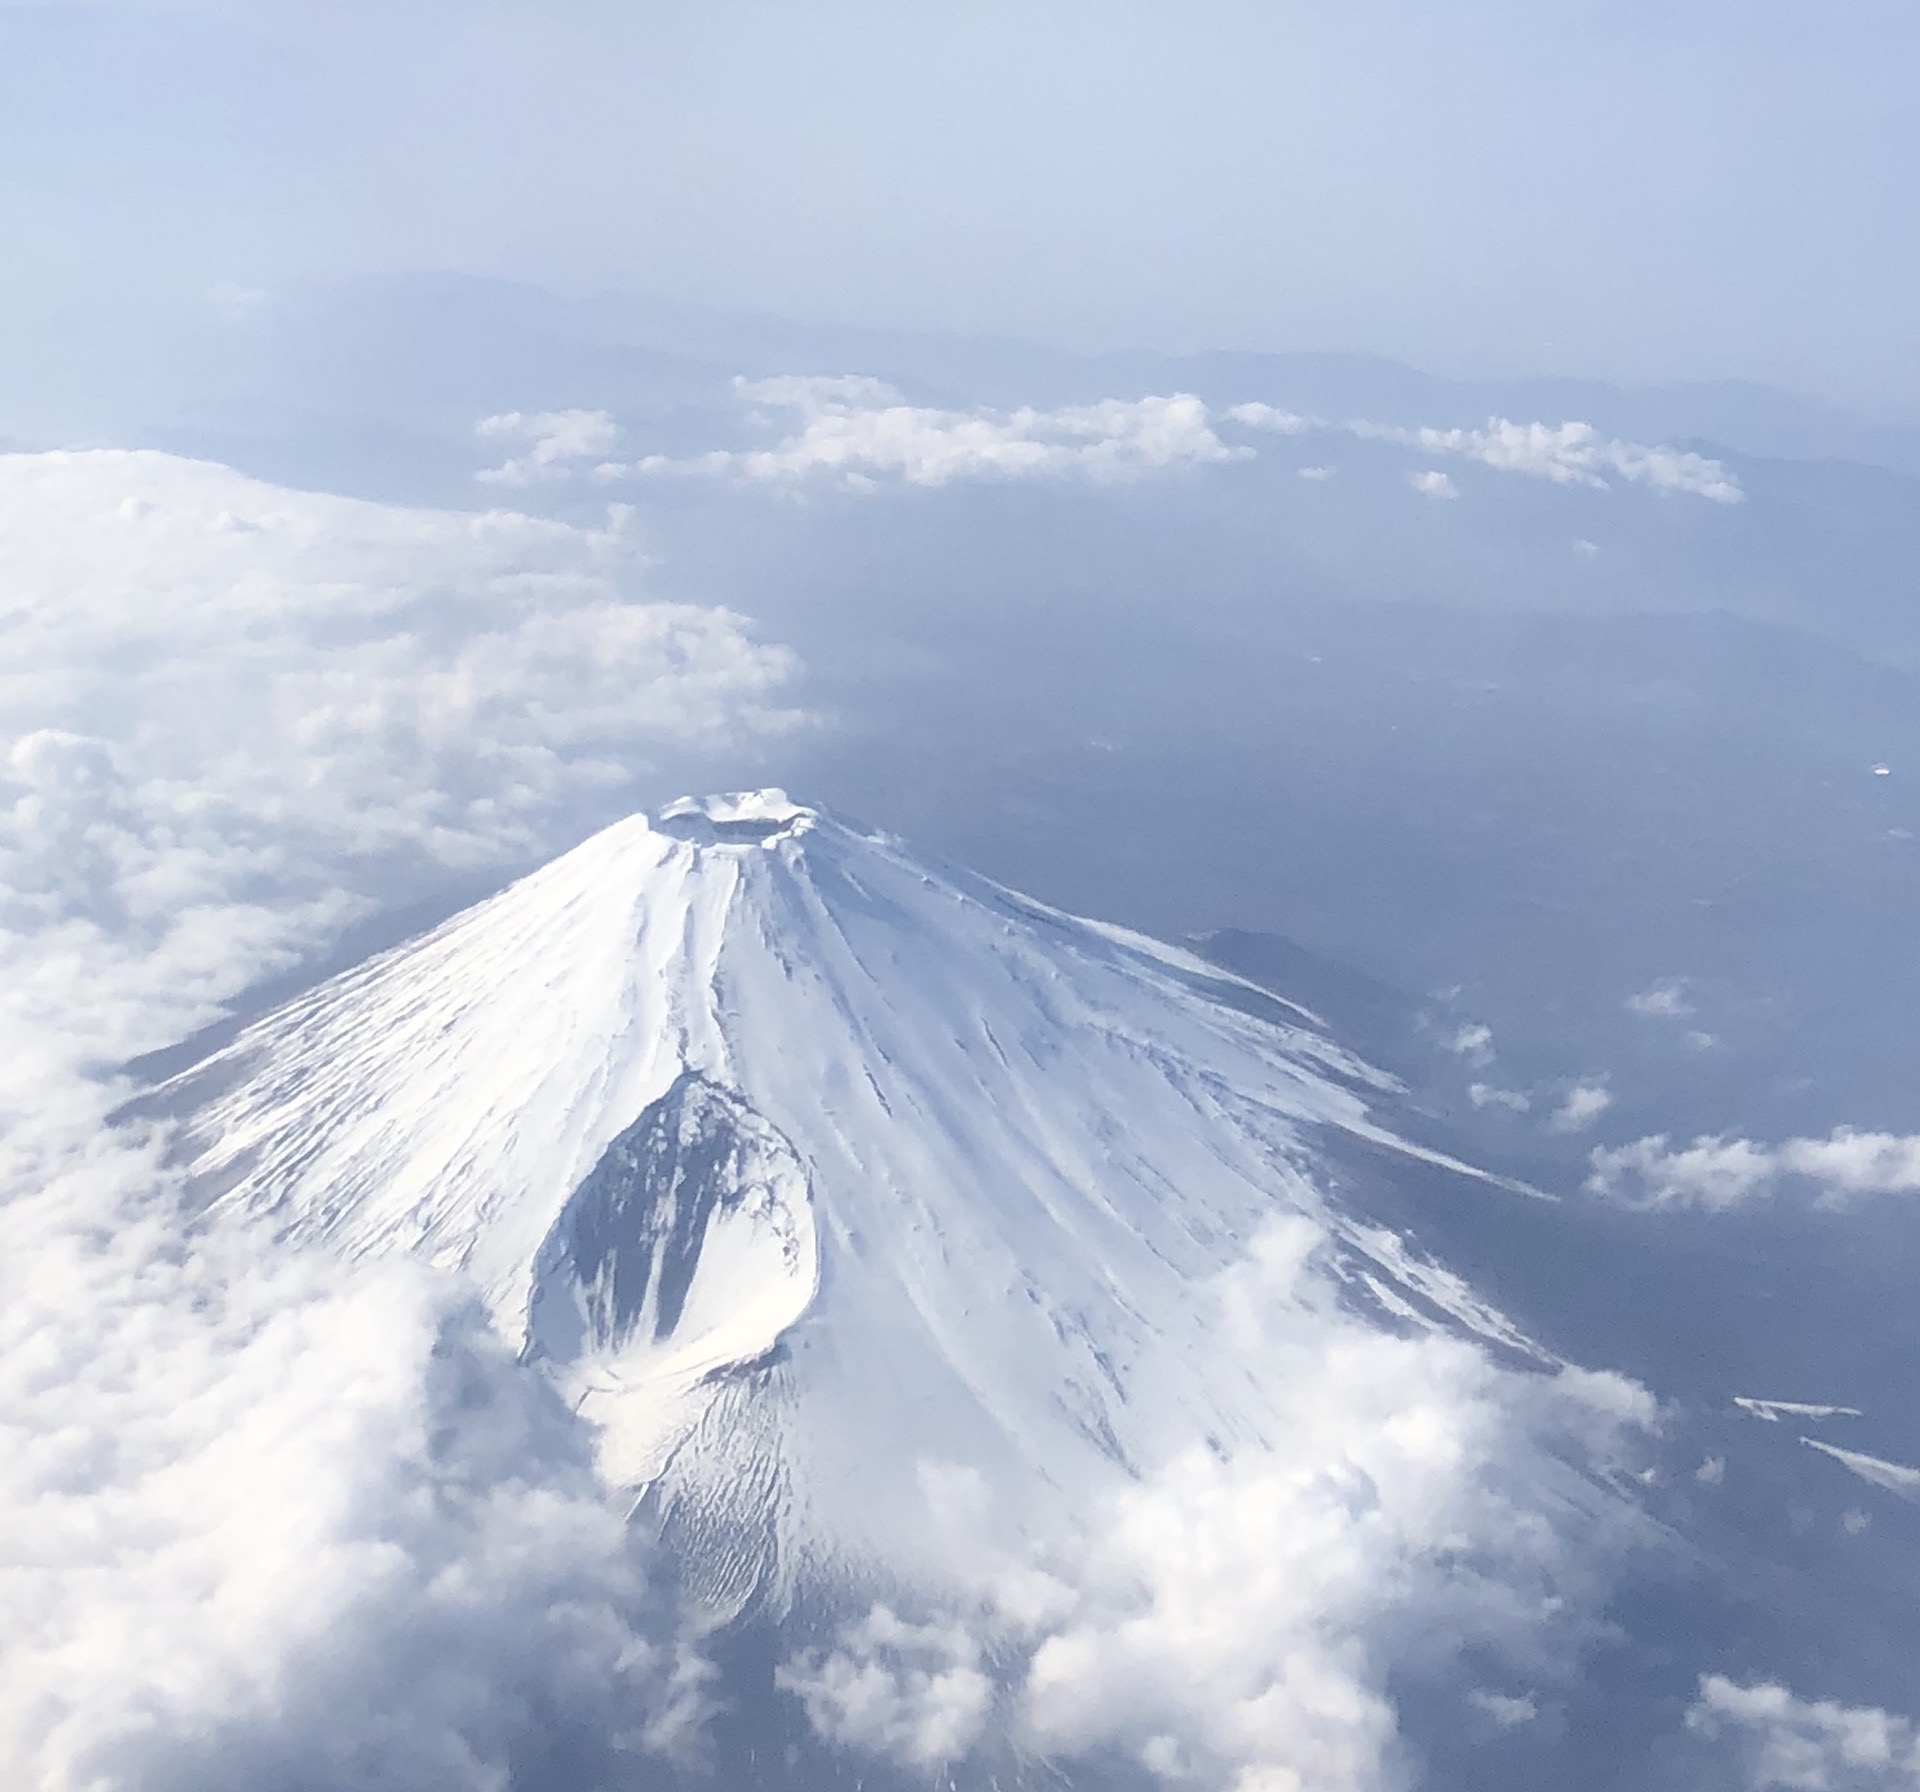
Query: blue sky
[1697, 190]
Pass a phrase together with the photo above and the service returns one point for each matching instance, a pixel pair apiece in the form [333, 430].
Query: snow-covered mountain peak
[739, 818]
[799, 1163]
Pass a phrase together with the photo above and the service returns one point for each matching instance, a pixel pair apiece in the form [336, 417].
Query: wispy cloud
[1665, 1000]
[1505, 1711]
[1487, 1095]
[1895, 1477]
[1473, 1041]
[1771, 1412]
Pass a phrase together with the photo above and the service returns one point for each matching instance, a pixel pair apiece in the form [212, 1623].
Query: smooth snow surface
[801, 1165]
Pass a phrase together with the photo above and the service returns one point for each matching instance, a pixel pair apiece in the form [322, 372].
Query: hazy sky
[1692, 189]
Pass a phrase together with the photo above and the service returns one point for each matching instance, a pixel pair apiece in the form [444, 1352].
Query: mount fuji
[809, 1174]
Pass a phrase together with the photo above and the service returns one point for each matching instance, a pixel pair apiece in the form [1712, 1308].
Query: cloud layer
[223, 706]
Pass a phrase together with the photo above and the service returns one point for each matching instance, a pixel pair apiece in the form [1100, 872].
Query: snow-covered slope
[800, 1164]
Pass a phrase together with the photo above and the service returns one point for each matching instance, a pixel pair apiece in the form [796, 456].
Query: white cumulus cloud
[914, 1692]
[557, 442]
[1271, 418]
[1430, 482]
[1580, 1107]
[1783, 1743]
[858, 431]
[1718, 1172]
[1572, 454]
